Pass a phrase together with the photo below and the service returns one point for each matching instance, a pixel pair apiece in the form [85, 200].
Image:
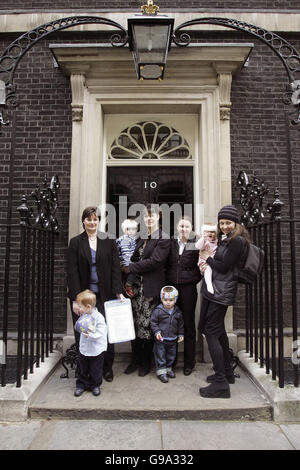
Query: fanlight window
[149, 141]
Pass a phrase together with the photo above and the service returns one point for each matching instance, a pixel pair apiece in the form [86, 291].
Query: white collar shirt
[181, 245]
[96, 341]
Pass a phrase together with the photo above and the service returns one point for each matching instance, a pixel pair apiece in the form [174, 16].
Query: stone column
[224, 82]
[77, 85]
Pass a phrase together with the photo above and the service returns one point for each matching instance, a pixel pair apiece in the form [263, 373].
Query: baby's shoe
[171, 374]
[163, 378]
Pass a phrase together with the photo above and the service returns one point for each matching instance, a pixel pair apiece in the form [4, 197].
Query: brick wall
[135, 5]
[44, 128]
[42, 146]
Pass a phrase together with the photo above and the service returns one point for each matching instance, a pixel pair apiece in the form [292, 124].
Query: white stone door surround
[196, 89]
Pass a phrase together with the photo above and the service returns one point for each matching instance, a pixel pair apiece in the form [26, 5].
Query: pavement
[145, 435]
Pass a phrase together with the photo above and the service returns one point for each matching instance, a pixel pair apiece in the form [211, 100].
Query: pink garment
[203, 246]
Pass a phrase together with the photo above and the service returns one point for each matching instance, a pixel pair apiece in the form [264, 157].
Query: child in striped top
[126, 246]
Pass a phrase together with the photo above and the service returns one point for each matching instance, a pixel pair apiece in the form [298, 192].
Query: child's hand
[159, 337]
[180, 339]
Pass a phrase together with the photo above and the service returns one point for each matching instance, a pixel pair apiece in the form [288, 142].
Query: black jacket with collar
[169, 325]
[79, 261]
[152, 265]
[183, 269]
[229, 257]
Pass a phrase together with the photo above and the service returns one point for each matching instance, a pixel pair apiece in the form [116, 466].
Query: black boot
[135, 362]
[146, 363]
[132, 367]
[230, 378]
[216, 390]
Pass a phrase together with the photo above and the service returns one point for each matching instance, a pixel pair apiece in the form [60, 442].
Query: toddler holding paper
[92, 345]
[168, 328]
[207, 245]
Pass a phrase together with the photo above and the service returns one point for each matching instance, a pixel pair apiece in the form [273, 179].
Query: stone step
[132, 397]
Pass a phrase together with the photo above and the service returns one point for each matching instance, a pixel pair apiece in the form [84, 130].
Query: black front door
[143, 185]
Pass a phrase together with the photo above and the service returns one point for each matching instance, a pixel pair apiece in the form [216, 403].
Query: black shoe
[187, 371]
[163, 378]
[143, 371]
[215, 390]
[171, 374]
[212, 378]
[108, 376]
[132, 367]
[96, 391]
[78, 392]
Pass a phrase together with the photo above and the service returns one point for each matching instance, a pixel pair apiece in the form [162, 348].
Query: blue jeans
[164, 355]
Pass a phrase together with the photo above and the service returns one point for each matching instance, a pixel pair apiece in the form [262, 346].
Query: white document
[119, 321]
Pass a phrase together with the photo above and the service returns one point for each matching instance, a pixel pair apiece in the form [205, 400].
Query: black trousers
[109, 355]
[187, 300]
[212, 325]
[142, 352]
[90, 371]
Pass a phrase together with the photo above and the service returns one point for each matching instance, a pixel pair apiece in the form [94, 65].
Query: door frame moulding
[199, 77]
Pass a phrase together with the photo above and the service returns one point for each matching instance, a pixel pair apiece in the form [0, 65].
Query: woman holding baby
[183, 273]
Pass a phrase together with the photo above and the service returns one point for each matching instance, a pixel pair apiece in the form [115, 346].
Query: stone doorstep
[135, 398]
[285, 401]
[14, 402]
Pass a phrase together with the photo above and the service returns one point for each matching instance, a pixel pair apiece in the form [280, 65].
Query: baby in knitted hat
[207, 245]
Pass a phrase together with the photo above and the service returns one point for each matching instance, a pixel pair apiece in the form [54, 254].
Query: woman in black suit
[148, 264]
[183, 273]
[93, 263]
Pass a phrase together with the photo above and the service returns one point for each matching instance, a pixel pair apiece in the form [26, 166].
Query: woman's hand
[205, 254]
[76, 308]
[203, 267]
[180, 339]
[121, 297]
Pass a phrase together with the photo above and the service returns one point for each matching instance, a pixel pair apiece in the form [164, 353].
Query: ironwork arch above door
[150, 140]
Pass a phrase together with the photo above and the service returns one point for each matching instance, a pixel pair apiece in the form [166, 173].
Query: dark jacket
[107, 265]
[152, 266]
[169, 325]
[225, 266]
[183, 269]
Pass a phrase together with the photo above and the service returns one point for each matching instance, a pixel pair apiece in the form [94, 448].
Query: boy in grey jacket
[168, 328]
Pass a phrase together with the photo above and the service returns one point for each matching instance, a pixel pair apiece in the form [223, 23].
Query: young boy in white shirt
[93, 343]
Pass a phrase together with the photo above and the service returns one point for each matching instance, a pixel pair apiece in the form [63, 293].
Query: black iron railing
[33, 284]
[271, 307]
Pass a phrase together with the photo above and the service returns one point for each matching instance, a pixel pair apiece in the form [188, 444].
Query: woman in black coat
[148, 264]
[183, 273]
[93, 263]
[229, 257]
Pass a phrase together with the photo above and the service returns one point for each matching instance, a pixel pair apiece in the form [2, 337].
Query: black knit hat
[229, 213]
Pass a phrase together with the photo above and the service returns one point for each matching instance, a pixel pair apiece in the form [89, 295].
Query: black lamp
[149, 40]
